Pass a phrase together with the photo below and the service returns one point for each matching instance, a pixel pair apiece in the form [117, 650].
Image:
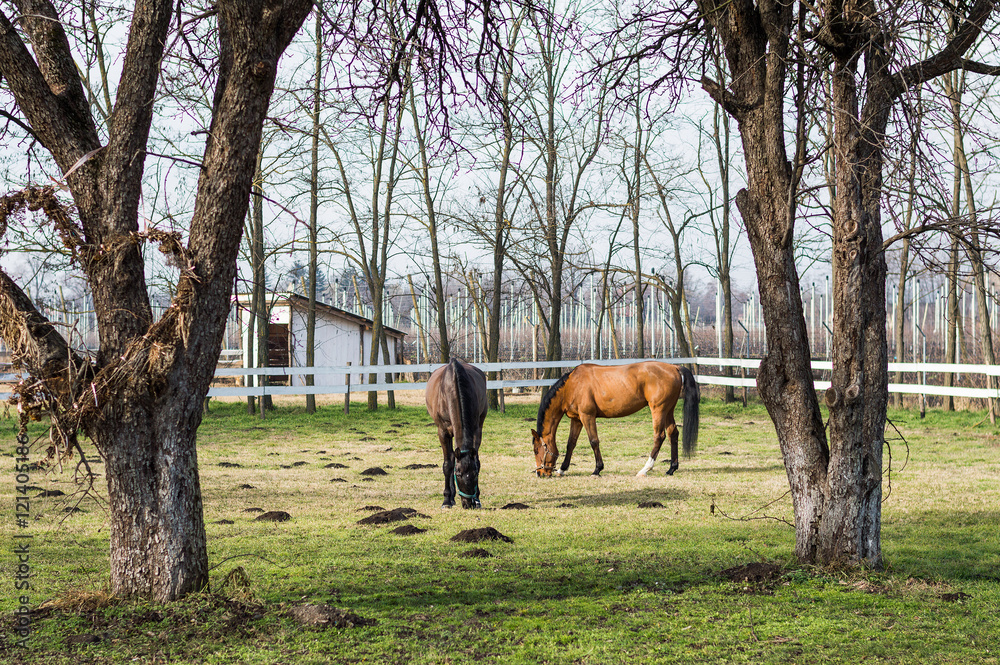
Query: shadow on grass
[743, 469]
[629, 498]
[948, 545]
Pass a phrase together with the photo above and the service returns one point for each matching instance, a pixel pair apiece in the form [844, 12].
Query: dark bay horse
[595, 391]
[456, 400]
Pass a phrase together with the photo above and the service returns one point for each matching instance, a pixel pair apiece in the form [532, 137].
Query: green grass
[602, 581]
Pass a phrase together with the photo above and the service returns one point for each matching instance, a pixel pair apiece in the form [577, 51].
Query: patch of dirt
[389, 516]
[421, 466]
[408, 530]
[273, 516]
[74, 509]
[335, 465]
[758, 577]
[566, 505]
[374, 471]
[299, 463]
[230, 465]
[370, 509]
[47, 493]
[338, 480]
[224, 522]
[959, 597]
[476, 553]
[246, 486]
[86, 638]
[253, 510]
[651, 504]
[758, 571]
[368, 438]
[479, 535]
[515, 506]
[368, 480]
[328, 617]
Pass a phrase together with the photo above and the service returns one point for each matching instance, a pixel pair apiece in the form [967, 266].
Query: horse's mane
[463, 387]
[547, 400]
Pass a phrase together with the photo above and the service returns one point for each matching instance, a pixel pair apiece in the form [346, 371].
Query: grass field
[590, 577]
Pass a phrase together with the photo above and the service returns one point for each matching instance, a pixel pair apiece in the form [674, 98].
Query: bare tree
[146, 386]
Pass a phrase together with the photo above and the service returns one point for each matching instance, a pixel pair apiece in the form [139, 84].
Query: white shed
[341, 337]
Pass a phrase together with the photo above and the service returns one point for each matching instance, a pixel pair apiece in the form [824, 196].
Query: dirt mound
[300, 463]
[87, 638]
[246, 486]
[758, 572]
[479, 535]
[758, 578]
[335, 465]
[371, 509]
[651, 504]
[954, 597]
[476, 553]
[328, 617]
[230, 465]
[515, 506]
[421, 466]
[253, 510]
[73, 509]
[224, 522]
[389, 516]
[273, 516]
[408, 530]
[374, 471]
[338, 480]
[47, 493]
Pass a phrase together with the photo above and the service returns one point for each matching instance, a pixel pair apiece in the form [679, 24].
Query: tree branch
[948, 58]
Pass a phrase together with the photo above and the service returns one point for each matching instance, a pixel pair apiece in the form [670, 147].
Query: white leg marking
[649, 465]
[560, 472]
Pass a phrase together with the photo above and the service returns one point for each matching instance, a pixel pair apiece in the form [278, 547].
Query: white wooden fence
[747, 364]
[704, 379]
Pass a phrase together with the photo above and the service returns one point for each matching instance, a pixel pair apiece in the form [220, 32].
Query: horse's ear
[534, 434]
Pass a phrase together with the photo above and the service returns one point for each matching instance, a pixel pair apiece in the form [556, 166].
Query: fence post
[503, 408]
[347, 395]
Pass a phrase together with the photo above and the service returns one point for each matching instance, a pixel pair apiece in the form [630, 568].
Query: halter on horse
[594, 391]
[456, 400]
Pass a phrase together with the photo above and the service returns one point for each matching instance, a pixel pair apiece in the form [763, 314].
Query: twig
[722, 513]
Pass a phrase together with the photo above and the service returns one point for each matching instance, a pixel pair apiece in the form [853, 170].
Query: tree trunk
[858, 396]
[314, 211]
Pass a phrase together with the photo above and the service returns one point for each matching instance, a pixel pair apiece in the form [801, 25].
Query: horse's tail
[463, 387]
[692, 398]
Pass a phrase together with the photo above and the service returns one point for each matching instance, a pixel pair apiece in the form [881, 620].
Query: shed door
[277, 350]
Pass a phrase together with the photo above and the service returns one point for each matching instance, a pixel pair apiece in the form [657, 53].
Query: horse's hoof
[560, 473]
[446, 506]
[641, 474]
[671, 472]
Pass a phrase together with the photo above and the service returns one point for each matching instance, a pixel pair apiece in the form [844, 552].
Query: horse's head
[467, 477]
[545, 456]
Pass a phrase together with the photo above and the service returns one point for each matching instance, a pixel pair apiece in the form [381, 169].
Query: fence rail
[704, 379]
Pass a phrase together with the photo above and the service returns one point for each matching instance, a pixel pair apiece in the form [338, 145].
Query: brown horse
[456, 400]
[595, 391]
